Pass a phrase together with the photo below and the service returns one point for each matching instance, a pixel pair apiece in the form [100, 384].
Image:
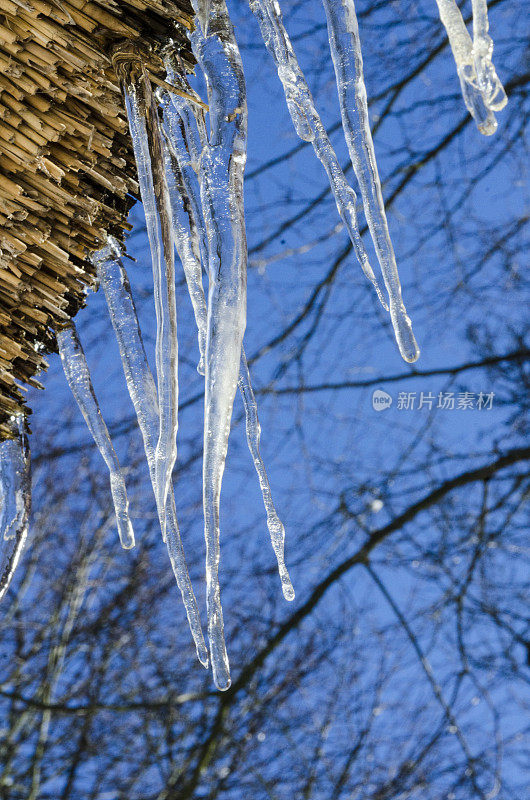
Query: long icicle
[142, 390]
[347, 58]
[308, 125]
[479, 102]
[78, 377]
[184, 222]
[147, 145]
[274, 523]
[223, 163]
[16, 496]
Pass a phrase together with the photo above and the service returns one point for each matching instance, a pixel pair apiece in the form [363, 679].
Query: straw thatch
[67, 173]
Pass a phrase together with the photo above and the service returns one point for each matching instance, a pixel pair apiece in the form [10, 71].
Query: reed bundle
[67, 171]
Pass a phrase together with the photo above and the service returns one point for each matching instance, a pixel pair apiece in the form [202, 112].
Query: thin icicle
[16, 497]
[487, 79]
[191, 114]
[147, 145]
[187, 243]
[15, 483]
[482, 97]
[193, 276]
[347, 58]
[142, 390]
[308, 124]
[115, 283]
[186, 127]
[274, 524]
[222, 165]
[10, 552]
[78, 377]
[187, 136]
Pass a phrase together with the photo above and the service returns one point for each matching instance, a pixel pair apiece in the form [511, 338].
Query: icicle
[308, 124]
[222, 165]
[10, 552]
[114, 281]
[185, 137]
[274, 524]
[186, 132]
[187, 243]
[16, 501]
[203, 14]
[195, 136]
[141, 386]
[15, 481]
[147, 145]
[347, 58]
[482, 95]
[487, 79]
[180, 201]
[78, 377]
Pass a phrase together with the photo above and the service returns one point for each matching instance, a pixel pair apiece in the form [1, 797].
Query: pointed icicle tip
[202, 655]
[408, 347]
[203, 13]
[80, 382]
[287, 588]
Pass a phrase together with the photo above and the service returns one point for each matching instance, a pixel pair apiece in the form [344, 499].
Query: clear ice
[141, 386]
[15, 484]
[222, 166]
[487, 79]
[309, 127]
[482, 91]
[347, 58]
[307, 122]
[274, 523]
[186, 137]
[147, 144]
[187, 243]
[181, 202]
[78, 377]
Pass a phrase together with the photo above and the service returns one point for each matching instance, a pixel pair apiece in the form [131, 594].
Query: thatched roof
[67, 172]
